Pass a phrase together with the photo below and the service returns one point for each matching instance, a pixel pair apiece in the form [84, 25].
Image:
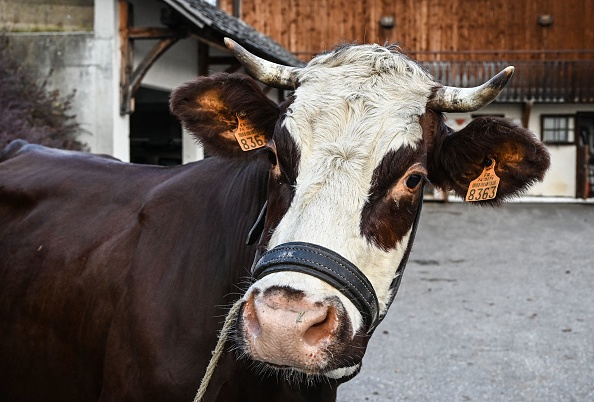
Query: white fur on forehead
[370, 86]
[373, 58]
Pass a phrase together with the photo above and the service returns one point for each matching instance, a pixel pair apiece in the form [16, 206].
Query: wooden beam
[149, 59]
[222, 60]
[126, 53]
[526, 112]
[150, 33]
[130, 77]
[233, 68]
[203, 58]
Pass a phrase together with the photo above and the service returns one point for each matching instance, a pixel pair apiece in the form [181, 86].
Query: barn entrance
[585, 155]
[155, 135]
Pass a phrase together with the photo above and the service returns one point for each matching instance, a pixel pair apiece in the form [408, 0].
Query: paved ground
[495, 305]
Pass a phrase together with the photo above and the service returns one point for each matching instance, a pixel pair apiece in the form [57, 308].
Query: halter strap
[395, 285]
[326, 265]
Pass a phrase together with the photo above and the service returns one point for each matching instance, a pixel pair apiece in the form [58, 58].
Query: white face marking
[350, 109]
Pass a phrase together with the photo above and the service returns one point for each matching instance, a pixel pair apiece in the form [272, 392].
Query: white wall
[177, 65]
[113, 131]
[86, 64]
[77, 62]
[560, 180]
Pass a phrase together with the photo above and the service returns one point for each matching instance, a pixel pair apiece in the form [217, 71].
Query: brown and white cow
[112, 275]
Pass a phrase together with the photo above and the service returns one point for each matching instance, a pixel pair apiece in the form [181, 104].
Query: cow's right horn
[454, 99]
[272, 74]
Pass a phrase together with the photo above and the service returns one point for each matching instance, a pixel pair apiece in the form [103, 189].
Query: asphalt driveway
[495, 305]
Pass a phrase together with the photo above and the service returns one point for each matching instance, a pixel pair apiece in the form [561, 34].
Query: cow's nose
[285, 328]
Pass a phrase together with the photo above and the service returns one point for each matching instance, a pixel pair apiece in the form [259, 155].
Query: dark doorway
[585, 155]
[155, 135]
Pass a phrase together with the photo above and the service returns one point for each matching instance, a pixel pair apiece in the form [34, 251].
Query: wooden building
[463, 42]
[427, 29]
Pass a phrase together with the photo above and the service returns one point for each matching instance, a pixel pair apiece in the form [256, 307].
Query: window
[558, 129]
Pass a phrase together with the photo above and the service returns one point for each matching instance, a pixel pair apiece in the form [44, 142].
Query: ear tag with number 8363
[485, 186]
[247, 136]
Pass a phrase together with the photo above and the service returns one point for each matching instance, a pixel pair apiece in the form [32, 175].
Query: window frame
[569, 129]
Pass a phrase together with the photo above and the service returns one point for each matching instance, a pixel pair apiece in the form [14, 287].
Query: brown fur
[209, 108]
[459, 157]
[384, 222]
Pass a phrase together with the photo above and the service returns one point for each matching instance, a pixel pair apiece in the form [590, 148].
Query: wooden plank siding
[429, 29]
[461, 42]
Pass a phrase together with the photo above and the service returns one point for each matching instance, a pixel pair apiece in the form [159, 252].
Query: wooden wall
[484, 28]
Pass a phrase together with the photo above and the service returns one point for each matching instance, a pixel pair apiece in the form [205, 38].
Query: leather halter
[326, 265]
[332, 268]
[395, 285]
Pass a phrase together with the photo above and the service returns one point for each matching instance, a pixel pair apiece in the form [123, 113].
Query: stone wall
[46, 15]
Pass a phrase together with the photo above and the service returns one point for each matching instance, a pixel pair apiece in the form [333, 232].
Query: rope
[218, 351]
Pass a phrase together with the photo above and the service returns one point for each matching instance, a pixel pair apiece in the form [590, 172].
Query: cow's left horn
[454, 99]
[269, 73]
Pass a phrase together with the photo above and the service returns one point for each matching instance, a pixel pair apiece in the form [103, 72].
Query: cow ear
[215, 108]
[460, 157]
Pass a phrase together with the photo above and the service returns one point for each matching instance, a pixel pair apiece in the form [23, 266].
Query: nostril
[250, 317]
[322, 327]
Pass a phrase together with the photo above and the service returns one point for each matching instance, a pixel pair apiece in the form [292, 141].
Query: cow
[116, 278]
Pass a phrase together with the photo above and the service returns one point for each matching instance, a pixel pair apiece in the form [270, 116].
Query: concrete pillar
[191, 150]
[111, 126]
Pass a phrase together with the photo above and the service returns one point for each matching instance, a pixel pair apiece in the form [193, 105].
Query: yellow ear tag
[247, 136]
[485, 186]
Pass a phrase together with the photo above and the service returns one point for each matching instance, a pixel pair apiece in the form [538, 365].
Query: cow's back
[107, 275]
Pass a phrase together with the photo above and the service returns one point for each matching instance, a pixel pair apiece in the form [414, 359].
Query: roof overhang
[211, 24]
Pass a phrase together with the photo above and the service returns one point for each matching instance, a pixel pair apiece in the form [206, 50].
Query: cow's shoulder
[36, 182]
[88, 182]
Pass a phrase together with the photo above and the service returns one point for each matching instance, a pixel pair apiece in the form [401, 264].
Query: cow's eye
[272, 157]
[413, 180]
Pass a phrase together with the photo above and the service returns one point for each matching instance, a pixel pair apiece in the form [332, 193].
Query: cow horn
[272, 74]
[454, 99]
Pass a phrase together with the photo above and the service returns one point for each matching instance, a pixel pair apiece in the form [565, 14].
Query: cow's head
[349, 153]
